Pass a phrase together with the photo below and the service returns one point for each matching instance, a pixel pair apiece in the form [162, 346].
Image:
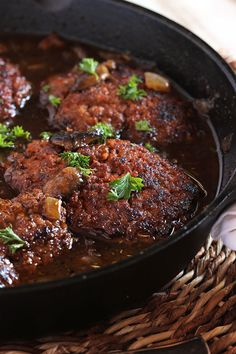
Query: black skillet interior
[43, 308]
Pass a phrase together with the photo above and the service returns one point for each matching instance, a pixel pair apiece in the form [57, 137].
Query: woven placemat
[200, 301]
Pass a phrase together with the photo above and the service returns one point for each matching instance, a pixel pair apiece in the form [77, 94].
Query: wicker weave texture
[200, 302]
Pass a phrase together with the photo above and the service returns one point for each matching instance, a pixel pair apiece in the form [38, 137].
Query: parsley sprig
[121, 188]
[8, 136]
[150, 147]
[143, 126]
[54, 100]
[46, 88]
[89, 66]
[104, 130]
[75, 159]
[130, 91]
[18, 132]
[45, 135]
[12, 240]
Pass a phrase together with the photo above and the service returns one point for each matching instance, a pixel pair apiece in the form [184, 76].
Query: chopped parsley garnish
[131, 90]
[19, 132]
[75, 159]
[121, 188]
[54, 100]
[12, 240]
[143, 126]
[3, 128]
[89, 66]
[4, 143]
[46, 88]
[104, 130]
[9, 135]
[45, 135]
[150, 147]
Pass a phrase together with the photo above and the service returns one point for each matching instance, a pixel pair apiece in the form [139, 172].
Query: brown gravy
[200, 158]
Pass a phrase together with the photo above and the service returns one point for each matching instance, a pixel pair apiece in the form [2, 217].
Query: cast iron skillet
[70, 303]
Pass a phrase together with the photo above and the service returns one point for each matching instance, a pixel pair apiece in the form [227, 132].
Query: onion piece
[103, 72]
[110, 64]
[156, 82]
[52, 208]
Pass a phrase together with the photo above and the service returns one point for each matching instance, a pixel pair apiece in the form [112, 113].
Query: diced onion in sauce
[156, 82]
[110, 64]
[102, 71]
[52, 208]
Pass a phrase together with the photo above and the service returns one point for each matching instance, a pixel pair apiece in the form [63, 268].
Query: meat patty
[44, 231]
[100, 103]
[14, 90]
[166, 202]
[168, 116]
[34, 167]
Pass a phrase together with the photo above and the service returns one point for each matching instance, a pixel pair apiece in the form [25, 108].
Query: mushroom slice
[72, 141]
[64, 183]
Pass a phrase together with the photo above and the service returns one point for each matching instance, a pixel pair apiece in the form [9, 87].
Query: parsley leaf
[150, 147]
[104, 130]
[54, 100]
[8, 136]
[131, 90]
[3, 128]
[75, 159]
[143, 126]
[4, 143]
[45, 135]
[12, 240]
[19, 132]
[121, 188]
[89, 66]
[46, 88]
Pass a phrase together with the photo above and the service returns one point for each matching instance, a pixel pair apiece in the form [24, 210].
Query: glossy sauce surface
[199, 158]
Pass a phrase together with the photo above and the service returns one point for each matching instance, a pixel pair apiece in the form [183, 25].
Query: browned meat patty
[58, 86]
[168, 116]
[166, 202]
[14, 90]
[33, 168]
[100, 103]
[169, 119]
[44, 231]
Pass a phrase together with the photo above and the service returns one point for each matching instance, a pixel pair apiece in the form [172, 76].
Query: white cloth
[225, 228]
[212, 20]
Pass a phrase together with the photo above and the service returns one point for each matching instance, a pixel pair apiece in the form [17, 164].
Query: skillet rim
[222, 194]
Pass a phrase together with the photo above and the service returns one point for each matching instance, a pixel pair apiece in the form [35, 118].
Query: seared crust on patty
[45, 238]
[100, 103]
[166, 202]
[34, 167]
[170, 118]
[14, 90]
